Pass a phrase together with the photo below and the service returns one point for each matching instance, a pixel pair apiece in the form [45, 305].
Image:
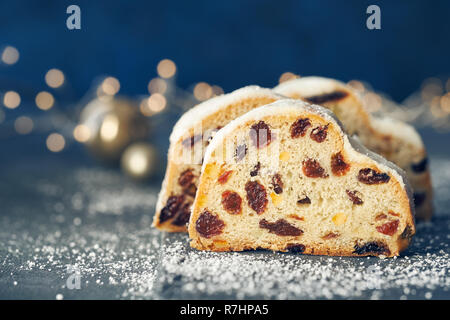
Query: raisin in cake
[302, 185]
[395, 140]
[188, 141]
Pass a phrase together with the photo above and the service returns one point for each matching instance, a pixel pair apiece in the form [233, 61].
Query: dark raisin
[338, 166]
[305, 200]
[312, 169]
[260, 134]
[370, 176]
[319, 134]
[240, 152]
[209, 224]
[225, 176]
[407, 233]
[183, 215]
[231, 202]
[330, 235]
[256, 196]
[277, 183]
[353, 197]
[373, 247]
[171, 208]
[255, 170]
[280, 227]
[389, 228]
[420, 166]
[299, 127]
[327, 97]
[186, 178]
[295, 248]
[419, 198]
[189, 142]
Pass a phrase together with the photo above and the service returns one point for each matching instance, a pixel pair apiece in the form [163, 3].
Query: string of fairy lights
[429, 106]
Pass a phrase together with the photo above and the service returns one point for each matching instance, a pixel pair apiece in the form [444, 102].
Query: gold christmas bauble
[139, 160]
[113, 124]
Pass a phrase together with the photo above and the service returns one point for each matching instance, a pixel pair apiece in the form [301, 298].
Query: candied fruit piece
[312, 169]
[319, 134]
[276, 199]
[256, 196]
[353, 197]
[209, 225]
[255, 170]
[277, 183]
[295, 248]
[225, 176]
[231, 202]
[284, 156]
[280, 227]
[299, 127]
[339, 219]
[389, 228]
[338, 166]
[330, 235]
[296, 217]
[260, 134]
[380, 216]
[370, 176]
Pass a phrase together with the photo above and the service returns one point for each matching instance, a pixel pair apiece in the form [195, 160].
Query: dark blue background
[229, 43]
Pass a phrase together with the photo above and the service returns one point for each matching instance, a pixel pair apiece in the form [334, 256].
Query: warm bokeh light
[54, 78]
[10, 55]
[23, 125]
[157, 85]
[217, 91]
[82, 133]
[44, 100]
[357, 85]
[202, 91]
[11, 99]
[166, 68]
[445, 102]
[156, 102]
[55, 142]
[138, 162]
[109, 128]
[287, 76]
[110, 86]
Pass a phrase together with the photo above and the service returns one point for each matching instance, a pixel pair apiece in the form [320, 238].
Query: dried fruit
[295, 248]
[284, 156]
[421, 166]
[184, 213]
[338, 166]
[240, 152]
[231, 202]
[330, 235]
[256, 196]
[225, 176]
[276, 199]
[171, 208]
[419, 198]
[327, 97]
[353, 197]
[339, 219]
[299, 127]
[305, 200]
[380, 216]
[255, 170]
[407, 233]
[312, 169]
[191, 190]
[280, 227]
[189, 142]
[277, 183]
[296, 217]
[373, 247]
[208, 224]
[370, 176]
[389, 228]
[319, 134]
[260, 134]
[186, 178]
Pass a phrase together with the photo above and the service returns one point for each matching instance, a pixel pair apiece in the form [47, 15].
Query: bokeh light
[157, 85]
[11, 99]
[55, 142]
[109, 128]
[10, 55]
[166, 68]
[287, 76]
[156, 102]
[54, 78]
[202, 91]
[217, 91]
[110, 86]
[445, 102]
[44, 100]
[81, 133]
[23, 125]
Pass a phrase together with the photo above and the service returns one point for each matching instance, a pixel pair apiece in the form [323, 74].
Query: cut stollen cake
[395, 140]
[302, 185]
[188, 142]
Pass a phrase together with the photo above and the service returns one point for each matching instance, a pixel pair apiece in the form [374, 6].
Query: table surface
[75, 230]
